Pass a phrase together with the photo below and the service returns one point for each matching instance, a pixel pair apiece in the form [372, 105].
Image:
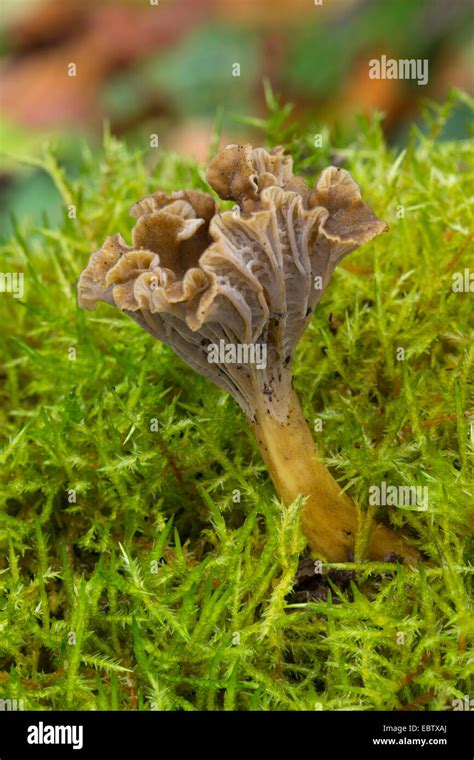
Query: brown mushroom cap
[194, 276]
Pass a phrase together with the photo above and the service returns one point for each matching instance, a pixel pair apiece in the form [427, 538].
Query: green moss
[131, 576]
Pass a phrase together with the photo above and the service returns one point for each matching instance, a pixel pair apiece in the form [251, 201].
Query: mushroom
[233, 292]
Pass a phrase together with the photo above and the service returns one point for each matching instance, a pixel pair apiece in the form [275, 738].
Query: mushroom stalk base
[329, 517]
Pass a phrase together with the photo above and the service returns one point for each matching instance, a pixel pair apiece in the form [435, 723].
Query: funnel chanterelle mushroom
[195, 278]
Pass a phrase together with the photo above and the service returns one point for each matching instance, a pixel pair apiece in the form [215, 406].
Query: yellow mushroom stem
[329, 517]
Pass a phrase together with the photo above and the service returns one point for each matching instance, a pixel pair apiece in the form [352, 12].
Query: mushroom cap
[194, 277]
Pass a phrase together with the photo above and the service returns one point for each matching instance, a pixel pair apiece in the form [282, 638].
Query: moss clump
[146, 563]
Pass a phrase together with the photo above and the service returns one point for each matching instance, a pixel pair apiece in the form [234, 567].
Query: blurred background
[171, 68]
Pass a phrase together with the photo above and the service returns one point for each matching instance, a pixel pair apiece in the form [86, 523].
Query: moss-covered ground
[131, 575]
